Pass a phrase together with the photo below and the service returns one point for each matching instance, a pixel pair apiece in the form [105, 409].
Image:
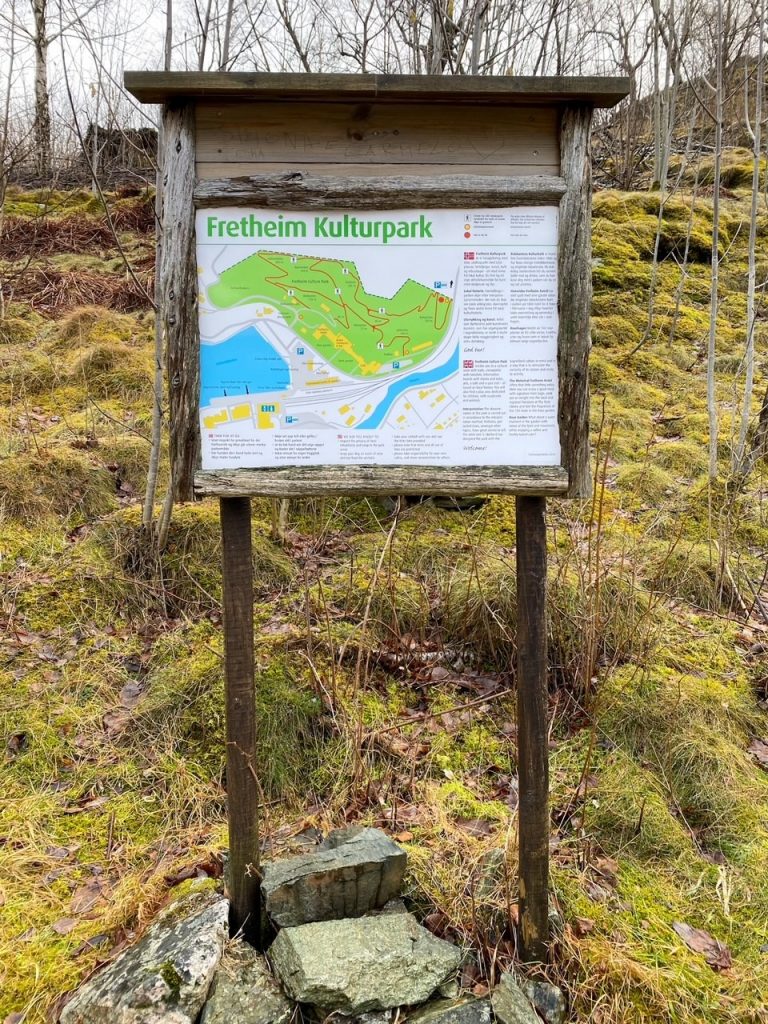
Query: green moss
[683, 459]
[647, 481]
[458, 801]
[17, 330]
[480, 613]
[629, 810]
[129, 455]
[185, 704]
[172, 979]
[688, 571]
[112, 369]
[707, 777]
[95, 325]
[25, 377]
[57, 481]
[190, 565]
[373, 591]
[614, 331]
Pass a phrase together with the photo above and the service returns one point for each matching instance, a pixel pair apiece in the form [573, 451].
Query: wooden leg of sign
[240, 700]
[533, 766]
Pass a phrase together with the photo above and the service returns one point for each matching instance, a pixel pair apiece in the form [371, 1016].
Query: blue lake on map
[411, 380]
[246, 363]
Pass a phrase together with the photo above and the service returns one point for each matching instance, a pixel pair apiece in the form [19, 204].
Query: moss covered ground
[385, 649]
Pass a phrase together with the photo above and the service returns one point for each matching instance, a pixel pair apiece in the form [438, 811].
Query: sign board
[396, 337]
[377, 284]
[454, 150]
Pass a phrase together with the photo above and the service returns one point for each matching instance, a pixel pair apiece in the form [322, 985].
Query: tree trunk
[749, 355]
[713, 305]
[42, 126]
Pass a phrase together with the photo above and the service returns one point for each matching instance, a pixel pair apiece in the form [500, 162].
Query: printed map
[342, 338]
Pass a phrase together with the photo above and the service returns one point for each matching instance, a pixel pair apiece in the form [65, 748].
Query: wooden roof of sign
[501, 90]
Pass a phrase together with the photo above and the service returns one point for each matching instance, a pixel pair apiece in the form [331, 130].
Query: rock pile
[345, 946]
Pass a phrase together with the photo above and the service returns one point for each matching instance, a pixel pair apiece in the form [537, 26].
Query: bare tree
[39, 34]
[718, 87]
[755, 131]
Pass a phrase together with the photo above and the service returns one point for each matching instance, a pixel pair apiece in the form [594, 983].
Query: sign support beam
[244, 880]
[533, 762]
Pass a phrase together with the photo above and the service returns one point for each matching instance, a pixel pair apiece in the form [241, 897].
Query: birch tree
[754, 127]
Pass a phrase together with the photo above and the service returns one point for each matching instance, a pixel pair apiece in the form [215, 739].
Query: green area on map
[324, 302]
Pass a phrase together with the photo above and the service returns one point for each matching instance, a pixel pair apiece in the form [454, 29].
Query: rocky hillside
[384, 647]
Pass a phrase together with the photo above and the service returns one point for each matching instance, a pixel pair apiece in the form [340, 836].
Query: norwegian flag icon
[469, 364]
[469, 255]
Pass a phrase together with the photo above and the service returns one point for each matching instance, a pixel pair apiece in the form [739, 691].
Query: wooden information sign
[378, 285]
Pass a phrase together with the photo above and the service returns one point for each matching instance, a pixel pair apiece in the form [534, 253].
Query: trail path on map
[324, 302]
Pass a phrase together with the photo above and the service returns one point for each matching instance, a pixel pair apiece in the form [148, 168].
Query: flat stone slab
[454, 1011]
[244, 991]
[354, 871]
[510, 1004]
[165, 977]
[361, 964]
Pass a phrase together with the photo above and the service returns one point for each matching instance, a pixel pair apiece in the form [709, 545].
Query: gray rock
[372, 1017]
[548, 1000]
[453, 1011]
[510, 1004]
[555, 921]
[353, 872]
[395, 906]
[244, 991]
[362, 964]
[491, 872]
[165, 977]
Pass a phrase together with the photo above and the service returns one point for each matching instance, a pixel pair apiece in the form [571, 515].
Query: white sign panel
[399, 337]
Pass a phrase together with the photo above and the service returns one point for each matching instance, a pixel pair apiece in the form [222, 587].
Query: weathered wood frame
[573, 98]
[177, 278]
[302, 191]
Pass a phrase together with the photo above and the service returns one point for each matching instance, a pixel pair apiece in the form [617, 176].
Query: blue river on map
[412, 380]
[246, 363]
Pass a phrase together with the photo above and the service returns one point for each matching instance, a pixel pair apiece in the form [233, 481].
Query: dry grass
[49, 236]
[54, 292]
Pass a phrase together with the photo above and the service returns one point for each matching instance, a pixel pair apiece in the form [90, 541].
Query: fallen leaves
[759, 750]
[476, 826]
[89, 895]
[94, 942]
[582, 926]
[399, 746]
[87, 802]
[16, 744]
[65, 925]
[116, 722]
[209, 867]
[714, 952]
[131, 694]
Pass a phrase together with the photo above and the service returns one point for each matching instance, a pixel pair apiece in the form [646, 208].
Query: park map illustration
[341, 337]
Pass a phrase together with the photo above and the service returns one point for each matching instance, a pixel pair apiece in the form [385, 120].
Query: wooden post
[240, 702]
[574, 277]
[533, 764]
[178, 289]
